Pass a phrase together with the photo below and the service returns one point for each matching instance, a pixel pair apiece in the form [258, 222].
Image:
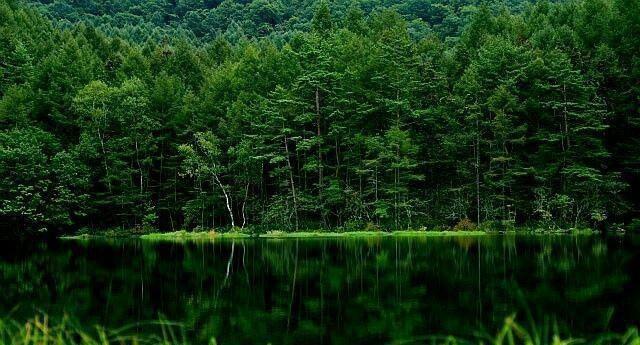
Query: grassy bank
[208, 235]
[186, 235]
[307, 234]
[41, 330]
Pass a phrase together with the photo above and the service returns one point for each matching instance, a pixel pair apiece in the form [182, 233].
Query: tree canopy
[306, 114]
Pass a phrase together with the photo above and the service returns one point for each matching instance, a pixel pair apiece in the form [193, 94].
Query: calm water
[353, 291]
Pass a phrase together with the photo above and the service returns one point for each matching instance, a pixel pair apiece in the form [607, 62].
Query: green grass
[186, 235]
[42, 330]
[433, 233]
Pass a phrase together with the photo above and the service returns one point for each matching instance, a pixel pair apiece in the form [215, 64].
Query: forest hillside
[280, 114]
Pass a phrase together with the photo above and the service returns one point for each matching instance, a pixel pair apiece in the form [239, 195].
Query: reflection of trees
[338, 291]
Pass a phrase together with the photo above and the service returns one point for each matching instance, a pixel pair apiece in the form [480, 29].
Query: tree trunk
[227, 200]
[319, 133]
[139, 166]
[104, 158]
[213, 205]
[293, 186]
[244, 203]
[564, 115]
[477, 154]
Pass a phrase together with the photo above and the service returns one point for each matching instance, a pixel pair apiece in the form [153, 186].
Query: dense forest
[279, 20]
[280, 114]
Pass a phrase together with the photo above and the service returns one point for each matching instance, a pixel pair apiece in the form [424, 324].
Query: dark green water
[342, 291]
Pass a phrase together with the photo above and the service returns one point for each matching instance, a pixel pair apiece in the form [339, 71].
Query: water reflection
[330, 291]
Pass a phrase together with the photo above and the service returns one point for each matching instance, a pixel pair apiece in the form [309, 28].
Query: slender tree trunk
[293, 186]
[175, 193]
[395, 170]
[338, 159]
[104, 159]
[375, 182]
[161, 166]
[504, 187]
[201, 202]
[227, 200]
[395, 192]
[477, 154]
[564, 115]
[213, 205]
[319, 133]
[244, 203]
[138, 163]
[320, 168]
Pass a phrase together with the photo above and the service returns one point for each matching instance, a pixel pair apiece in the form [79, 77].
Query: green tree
[42, 186]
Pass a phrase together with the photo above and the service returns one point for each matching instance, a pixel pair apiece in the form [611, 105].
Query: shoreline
[210, 235]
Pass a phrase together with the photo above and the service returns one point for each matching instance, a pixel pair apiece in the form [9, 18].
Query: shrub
[465, 224]
[498, 225]
[634, 225]
[372, 227]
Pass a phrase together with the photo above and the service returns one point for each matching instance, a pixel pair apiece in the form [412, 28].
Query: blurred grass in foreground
[43, 330]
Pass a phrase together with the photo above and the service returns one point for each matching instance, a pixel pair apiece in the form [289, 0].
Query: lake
[330, 291]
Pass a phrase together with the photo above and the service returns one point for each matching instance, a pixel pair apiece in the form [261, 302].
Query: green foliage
[319, 114]
[41, 184]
